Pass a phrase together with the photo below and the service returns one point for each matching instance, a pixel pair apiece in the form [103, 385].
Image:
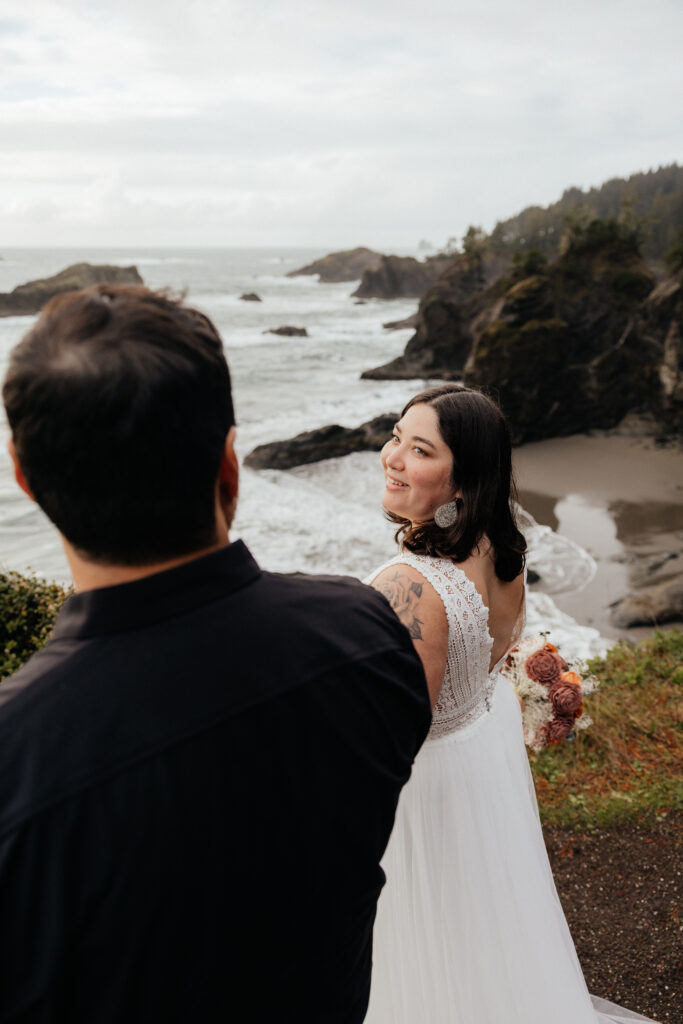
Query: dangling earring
[446, 515]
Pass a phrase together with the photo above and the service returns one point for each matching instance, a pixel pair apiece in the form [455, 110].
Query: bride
[469, 928]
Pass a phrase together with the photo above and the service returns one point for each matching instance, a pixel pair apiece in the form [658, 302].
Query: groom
[199, 773]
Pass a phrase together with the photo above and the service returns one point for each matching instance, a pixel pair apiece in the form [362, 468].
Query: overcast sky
[331, 123]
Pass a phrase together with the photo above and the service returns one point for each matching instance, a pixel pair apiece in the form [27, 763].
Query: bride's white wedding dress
[469, 927]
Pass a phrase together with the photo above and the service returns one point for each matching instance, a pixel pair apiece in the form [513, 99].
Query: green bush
[528, 262]
[621, 239]
[28, 609]
[632, 283]
[673, 257]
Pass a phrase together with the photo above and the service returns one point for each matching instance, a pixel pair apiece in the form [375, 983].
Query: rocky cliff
[442, 339]
[566, 347]
[348, 265]
[29, 298]
[661, 324]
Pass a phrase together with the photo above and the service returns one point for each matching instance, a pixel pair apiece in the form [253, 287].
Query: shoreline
[620, 498]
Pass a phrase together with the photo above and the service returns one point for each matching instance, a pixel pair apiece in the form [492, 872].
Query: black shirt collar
[159, 597]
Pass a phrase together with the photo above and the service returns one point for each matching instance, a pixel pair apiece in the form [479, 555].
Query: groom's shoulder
[307, 586]
[340, 603]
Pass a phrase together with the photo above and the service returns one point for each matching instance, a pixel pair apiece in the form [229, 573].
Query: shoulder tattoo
[404, 594]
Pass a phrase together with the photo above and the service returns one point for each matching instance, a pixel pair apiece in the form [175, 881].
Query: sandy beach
[620, 498]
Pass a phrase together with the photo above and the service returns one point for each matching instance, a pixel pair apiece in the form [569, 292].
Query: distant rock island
[325, 443]
[400, 277]
[336, 267]
[29, 298]
[288, 332]
[250, 297]
[567, 346]
[381, 277]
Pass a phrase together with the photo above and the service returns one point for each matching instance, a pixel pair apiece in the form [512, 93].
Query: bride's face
[418, 466]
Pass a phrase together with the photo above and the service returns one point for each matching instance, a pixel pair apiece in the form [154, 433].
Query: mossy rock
[529, 299]
[528, 288]
[502, 348]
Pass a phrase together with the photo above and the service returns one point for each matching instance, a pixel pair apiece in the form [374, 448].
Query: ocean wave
[155, 261]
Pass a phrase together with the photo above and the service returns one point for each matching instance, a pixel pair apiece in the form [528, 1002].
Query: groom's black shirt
[198, 778]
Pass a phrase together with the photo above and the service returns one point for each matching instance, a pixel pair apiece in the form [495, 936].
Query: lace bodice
[468, 684]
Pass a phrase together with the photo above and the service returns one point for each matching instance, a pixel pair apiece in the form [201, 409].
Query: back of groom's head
[119, 404]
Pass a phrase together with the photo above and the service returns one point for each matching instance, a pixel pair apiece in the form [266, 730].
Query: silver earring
[446, 515]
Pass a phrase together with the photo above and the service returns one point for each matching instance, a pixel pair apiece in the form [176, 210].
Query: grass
[628, 766]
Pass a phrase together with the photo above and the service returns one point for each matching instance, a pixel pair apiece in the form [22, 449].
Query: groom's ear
[229, 471]
[18, 471]
[228, 481]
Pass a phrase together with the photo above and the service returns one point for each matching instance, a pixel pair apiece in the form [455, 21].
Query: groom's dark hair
[119, 404]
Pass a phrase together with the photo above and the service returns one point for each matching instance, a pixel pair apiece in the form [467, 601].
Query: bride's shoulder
[421, 610]
[411, 595]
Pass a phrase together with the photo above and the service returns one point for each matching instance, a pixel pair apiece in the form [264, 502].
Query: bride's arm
[421, 611]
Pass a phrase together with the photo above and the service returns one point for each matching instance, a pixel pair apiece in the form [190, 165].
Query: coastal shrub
[528, 262]
[673, 256]
[632, 283]
[28, 609]
[474, 242]
[621, 238]
[575, 270]
[629, 764]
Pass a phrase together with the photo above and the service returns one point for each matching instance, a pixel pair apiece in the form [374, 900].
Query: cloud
[306, 123]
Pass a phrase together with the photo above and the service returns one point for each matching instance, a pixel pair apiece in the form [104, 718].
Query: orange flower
[571, 678]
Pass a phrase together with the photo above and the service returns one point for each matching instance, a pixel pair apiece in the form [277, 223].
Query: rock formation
[288, 332]
[662, 325]
[442, 341]
[400, 277]
[411, 321]
[324, 443]
[340, 266]
[566, 347]
[29, 298]
[650, 606]
[250, 297]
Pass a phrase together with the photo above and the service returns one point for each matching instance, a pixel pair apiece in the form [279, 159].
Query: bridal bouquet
[551, 691]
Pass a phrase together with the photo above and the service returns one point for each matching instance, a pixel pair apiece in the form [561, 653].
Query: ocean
[324, 517]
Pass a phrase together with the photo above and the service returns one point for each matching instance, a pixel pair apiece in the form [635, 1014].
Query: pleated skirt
[470, 929]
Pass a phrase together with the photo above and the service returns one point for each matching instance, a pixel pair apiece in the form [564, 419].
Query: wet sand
[620, 498]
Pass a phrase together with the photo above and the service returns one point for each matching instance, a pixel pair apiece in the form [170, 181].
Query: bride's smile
[418, 466]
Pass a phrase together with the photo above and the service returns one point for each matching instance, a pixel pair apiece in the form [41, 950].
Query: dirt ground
[621, 891]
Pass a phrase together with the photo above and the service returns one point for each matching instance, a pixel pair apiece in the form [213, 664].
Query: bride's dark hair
[475, 430]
